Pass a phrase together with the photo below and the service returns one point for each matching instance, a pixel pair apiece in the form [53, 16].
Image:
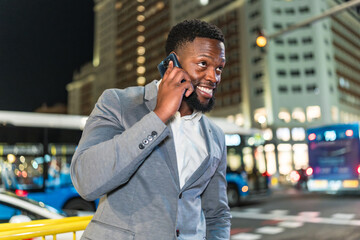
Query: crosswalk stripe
[269, 230]
[309, 214]
[279, 212]
[246, 236]
[300, 218]
[343, 216]
[288, 224]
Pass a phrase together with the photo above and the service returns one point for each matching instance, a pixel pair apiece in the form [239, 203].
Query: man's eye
[202, 64]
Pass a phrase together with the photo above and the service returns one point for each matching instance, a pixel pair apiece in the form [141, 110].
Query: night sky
[42, 42]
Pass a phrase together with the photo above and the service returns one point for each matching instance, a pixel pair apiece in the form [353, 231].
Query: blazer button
[145, 141]
[141, 146]
[153, 134]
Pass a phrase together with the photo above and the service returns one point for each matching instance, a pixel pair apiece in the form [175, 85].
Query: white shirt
[190, 145]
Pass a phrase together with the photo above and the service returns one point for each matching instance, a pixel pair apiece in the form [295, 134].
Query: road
[289, 214]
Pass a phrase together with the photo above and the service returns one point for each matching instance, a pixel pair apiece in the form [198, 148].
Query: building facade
[306, 77]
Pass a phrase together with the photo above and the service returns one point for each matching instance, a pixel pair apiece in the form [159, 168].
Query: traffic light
[261, 40]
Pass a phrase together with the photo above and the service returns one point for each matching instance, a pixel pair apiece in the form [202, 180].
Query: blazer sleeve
[109, 153]
[215, 204]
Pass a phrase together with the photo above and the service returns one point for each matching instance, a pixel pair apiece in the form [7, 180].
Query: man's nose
[212, 76]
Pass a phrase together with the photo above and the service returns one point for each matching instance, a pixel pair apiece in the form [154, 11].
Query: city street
[291, 214]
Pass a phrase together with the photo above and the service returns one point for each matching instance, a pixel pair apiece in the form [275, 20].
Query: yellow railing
[42, 228]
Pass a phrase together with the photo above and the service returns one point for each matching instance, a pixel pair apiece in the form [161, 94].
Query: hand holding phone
[175, 84]
[165, 63]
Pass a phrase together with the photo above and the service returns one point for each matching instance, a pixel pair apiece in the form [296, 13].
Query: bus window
[234, 159]
[248, 159]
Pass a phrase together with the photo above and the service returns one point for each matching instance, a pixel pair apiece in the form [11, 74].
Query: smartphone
[165, 63]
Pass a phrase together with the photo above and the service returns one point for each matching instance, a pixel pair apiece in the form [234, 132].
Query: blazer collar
[150, 95]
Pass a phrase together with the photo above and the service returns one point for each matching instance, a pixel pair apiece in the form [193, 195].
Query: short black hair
[188, 30]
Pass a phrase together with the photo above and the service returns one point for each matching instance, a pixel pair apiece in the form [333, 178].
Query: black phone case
[165, 63]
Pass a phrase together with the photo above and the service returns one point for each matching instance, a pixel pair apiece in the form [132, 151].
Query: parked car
[14, 209]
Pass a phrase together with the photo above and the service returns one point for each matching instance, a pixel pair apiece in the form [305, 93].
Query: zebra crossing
[284, 221]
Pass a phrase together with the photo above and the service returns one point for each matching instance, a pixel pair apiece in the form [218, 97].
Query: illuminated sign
[232, 139]
[330, 135]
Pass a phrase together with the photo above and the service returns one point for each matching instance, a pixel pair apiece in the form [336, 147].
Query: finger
[168, 70]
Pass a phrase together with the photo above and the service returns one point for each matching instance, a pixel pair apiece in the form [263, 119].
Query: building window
[254, 14]
[298, 134]
[283, 134]
[279, 41]
[304, 9]
[277, 25]
[313, 113]
[296, 89]
[292, 41]
[277, 11]
[281, 73]
[308, 56]
[294, 57]
[307, 40]
[312, 88]
[284, 115]
[295, 73]
[310, 72]
[298, 114]
[257, 75]
[283, 89]
[290, 11]
[280, 57]
[259, 91]
[256, 59]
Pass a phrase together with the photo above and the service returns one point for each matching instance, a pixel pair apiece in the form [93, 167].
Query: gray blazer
[127, 157]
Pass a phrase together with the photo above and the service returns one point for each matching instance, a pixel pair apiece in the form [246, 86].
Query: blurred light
[141, 70]
[160, 5]
[204, 2]
[232, 139]
[141, 81]
[141, 1]
[294, 176]
[312, 136]
[34, 164]
[309, 171]
[141, 50]
[22, 159]
[267, 134]
[251, 141]
[21, 193]
[140, 8]
[261, 41]
[21, 167]
[118, 5]
[11, 158]
[24, 174]
[140, 18]
[140, 28]
[262, 119]
[349, 133]
[141, 60]
[140, 39]
[358, 169]
[245, 189]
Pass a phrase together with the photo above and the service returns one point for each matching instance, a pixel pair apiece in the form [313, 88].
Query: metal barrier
[42, 228]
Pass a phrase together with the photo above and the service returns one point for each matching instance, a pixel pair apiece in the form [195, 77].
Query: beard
[194, 103]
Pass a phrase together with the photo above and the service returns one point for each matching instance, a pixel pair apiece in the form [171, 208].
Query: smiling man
[155, 160]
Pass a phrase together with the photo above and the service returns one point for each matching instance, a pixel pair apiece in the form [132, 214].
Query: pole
[327, 13]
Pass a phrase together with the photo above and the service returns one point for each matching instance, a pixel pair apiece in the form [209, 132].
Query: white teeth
[207, 90]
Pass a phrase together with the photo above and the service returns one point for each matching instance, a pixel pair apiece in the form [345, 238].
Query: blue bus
[334, 158]
[35, 155]
[247, 176]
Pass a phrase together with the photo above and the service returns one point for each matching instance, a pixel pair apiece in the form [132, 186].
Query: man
[155, 160]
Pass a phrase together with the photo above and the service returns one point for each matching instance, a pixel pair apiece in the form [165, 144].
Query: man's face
[203, 59]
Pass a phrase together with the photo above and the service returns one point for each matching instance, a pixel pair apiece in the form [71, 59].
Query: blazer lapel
[168, 145]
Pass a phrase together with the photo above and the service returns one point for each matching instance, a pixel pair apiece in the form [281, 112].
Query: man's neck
[185, 109]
